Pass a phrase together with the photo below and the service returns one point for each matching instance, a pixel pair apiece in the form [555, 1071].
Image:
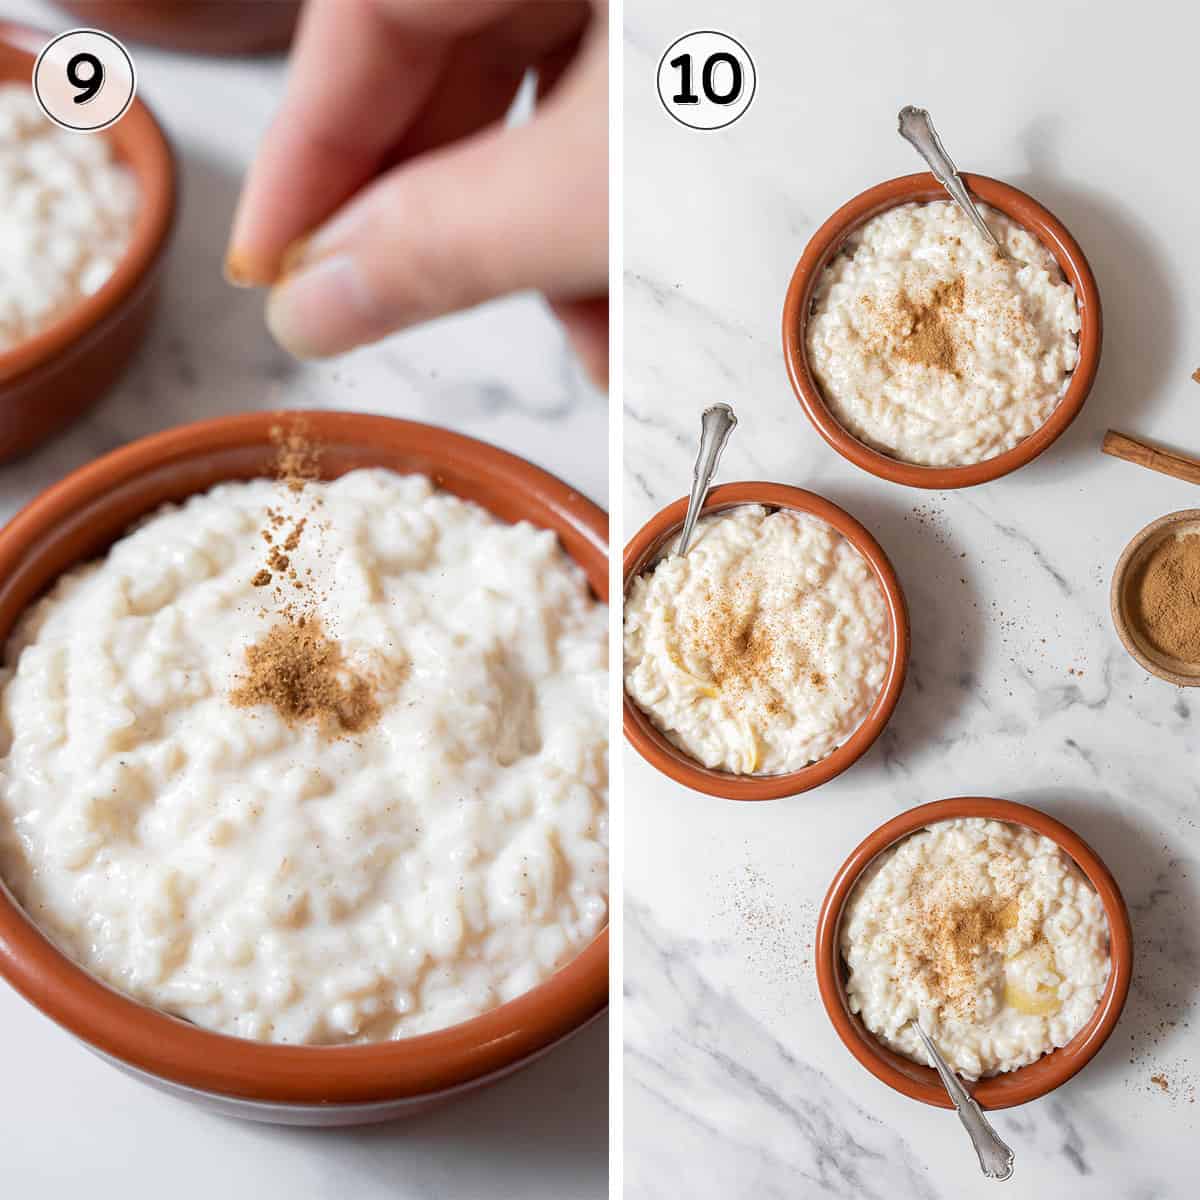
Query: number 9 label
[706, 79]
[84, 80]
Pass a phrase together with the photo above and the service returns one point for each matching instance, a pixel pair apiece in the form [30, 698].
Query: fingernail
[238, 270]
[322, 309]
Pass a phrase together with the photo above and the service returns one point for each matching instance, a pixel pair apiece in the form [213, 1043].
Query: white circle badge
[84, 80]
[706, 79]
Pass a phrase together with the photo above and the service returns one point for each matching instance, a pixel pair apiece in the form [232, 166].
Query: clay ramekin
[51, 378]
[1013, 1087]
[921, 188]
[645, 546]
[1181, 674]
[199, 26]
[76, 520]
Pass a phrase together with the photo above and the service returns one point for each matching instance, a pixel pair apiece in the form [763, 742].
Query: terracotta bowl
[1013, 1087]
[48, 380]
[642, 550]
[76, 520]
[828, 240]
[200, 26]
[1182, 674]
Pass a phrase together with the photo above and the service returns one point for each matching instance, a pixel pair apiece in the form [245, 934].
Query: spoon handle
[995, 1158]
[715, 427]
[917, 127]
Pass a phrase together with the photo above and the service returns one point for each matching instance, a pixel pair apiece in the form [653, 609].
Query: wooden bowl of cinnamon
[1155, 597]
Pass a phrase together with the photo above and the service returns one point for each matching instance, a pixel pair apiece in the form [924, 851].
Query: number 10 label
[706, 80]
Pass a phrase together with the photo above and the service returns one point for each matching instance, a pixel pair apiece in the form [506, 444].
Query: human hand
[387, 190]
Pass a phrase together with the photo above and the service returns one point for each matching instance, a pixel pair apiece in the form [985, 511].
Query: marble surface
[502, 373]
[736, 1085]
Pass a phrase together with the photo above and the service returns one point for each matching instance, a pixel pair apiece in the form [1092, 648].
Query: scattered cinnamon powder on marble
[1165, 594]
[1161, 1082]
[1196, 374]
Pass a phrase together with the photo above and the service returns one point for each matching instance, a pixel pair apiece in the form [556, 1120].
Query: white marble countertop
[736, 1085]
[502, 374]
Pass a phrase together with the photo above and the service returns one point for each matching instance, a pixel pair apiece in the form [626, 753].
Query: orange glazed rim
[76, 519]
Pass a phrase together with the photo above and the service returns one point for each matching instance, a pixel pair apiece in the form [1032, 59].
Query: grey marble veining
[502, 373]
[736, 1085]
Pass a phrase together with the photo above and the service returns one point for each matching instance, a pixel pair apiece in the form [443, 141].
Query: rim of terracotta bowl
[141, 145]
[1181, 674]
[922, 188]
[1014, 1087]
[77, 519]
[652, 744]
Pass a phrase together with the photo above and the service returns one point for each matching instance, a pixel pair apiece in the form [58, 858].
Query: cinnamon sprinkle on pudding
[764, 648]
[931, 347]
[985, 932]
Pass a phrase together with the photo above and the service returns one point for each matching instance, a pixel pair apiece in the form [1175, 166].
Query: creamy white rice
[67, 210]
[262, 878]
[764, 648]
[933, 349]
[985, 932]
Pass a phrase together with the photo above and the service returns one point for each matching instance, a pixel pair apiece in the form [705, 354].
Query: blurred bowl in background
[198, 26]
[48, 380]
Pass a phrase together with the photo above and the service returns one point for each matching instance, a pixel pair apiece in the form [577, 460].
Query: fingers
[482, 73]
[505, 210]
[372, 81]
[333, 127]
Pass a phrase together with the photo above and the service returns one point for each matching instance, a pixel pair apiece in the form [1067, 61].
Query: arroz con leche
[984, 931]
[66, 216]
[764, 647]
[268, 878]
[933, 349]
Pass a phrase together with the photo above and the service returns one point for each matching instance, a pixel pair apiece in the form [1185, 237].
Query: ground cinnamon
[921, 330]
[1165, 594]
[301, 673]
[295, 667]
[749, 650]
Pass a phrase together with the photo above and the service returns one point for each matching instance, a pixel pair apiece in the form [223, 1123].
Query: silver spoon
[715, 427]
[917, 127]
[995, 1158]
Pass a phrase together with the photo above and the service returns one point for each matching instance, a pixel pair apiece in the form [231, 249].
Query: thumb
[508, 209]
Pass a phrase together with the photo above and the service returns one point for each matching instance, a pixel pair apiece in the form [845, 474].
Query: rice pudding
[987, 933]
[764, 647]
[67, 217]
[930, 347]
[382, 819]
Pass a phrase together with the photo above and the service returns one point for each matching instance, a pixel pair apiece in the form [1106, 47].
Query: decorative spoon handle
[715, 427]
[995, 1158]
[917, 127]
